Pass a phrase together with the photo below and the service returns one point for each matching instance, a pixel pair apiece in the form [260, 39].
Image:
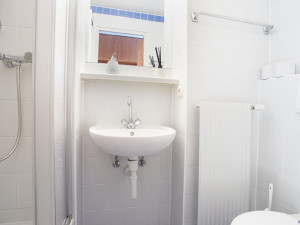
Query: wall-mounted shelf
[130, 78]
[129, 74]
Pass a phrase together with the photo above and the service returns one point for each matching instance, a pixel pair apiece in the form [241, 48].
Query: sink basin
[141, 141]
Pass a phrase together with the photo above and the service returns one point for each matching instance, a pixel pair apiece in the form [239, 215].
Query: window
[129, 48]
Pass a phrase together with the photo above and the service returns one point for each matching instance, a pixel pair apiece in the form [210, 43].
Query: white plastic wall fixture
[132, 168]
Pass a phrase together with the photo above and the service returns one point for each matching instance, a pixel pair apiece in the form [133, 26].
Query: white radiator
[224, 162]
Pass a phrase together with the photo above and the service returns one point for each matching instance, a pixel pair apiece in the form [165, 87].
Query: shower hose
[18, 67]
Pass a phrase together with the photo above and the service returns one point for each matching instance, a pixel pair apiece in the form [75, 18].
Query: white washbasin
[141, 141]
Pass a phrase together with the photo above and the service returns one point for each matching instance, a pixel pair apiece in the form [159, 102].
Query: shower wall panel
[16, 173]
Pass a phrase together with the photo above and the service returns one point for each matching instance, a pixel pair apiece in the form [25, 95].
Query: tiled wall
[284, 41]
[106, 190]
[168, 34]
[224, 60]
[279, 123]
[76, 94]
[279, 147]
[176, 17]
[16, 173]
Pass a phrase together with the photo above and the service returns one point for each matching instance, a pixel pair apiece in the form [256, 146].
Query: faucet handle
[124, 123]
[137, 122]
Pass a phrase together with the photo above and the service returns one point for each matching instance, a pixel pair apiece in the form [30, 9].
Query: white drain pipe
[132, 169]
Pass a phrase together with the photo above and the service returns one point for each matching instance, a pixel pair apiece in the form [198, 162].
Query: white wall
[284, 41]
[16, 173]
[106, 190]
[279, 124]
[77, 52]
[152, 31]
[279, 147]
[224, 60]
[176, 17]
[168, 34]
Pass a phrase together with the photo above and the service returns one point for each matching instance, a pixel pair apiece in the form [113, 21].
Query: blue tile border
[128, 14]
[144, 16]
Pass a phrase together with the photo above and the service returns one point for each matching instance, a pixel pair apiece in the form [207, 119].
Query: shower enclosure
[16, 113]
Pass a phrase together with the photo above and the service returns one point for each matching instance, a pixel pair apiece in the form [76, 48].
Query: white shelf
[130, 78]
[129, 74]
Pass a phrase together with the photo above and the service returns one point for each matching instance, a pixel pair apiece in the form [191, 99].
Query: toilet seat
[264, 218]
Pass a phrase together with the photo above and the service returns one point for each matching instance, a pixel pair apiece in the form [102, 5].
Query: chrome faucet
[130, 124]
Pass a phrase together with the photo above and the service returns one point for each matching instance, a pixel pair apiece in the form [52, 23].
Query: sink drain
[131, 133]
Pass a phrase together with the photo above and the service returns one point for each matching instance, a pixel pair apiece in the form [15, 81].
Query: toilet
[266, 218]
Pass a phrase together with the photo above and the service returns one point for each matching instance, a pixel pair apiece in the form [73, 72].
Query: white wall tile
[291, 190]
[25, 40]
[216, 63]
[191, 209]
[96, 218]
[25, 155]
[8, 118]
[154, 190]
[115, 216]
[26, 12]
[165, 194]
[7, 216]
[285, 18]
[177, 192]
[27, 118]
[215, 89]
[9, 14]
[9, 35]
[7, 84]
[16, 172]
[135, 215]
[25, 191]
[191, 180]
[164, 214]
[192, 152]
[291, 153]
[8, 191]
[166, 166]
[276, 154]
[96, 197]
[179, 148]
[25, 214]
[152, 218]
[10, 165]
[153, 167]
[279, 143]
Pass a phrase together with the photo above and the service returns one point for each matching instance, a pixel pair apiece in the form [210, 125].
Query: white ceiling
[147, 6]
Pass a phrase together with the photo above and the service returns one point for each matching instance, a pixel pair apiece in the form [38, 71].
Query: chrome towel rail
[266, 27]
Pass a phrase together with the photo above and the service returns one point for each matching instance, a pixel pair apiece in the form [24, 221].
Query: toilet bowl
[266, 218]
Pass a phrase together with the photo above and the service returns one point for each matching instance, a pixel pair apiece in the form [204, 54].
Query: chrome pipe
[266, 27]
[130, 124]
[130, 108]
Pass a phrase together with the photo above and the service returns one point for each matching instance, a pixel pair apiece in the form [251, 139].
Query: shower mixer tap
[12, 60]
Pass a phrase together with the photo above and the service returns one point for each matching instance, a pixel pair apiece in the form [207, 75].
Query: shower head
[12, 60]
